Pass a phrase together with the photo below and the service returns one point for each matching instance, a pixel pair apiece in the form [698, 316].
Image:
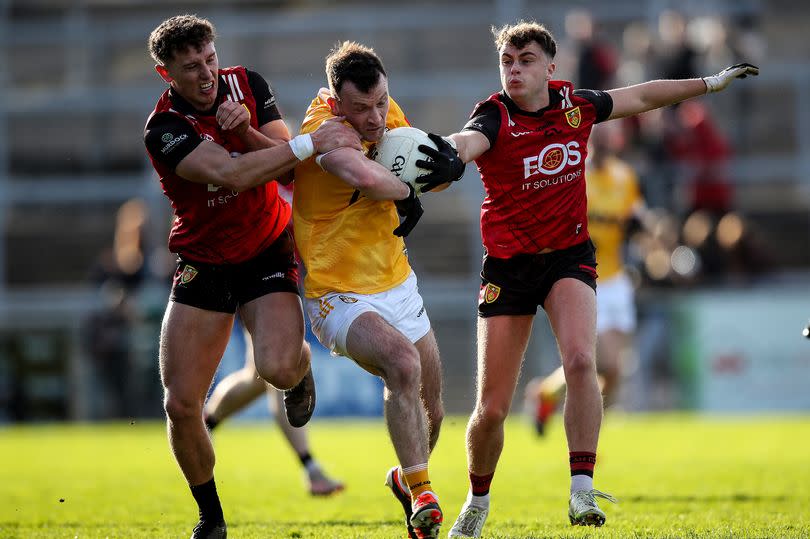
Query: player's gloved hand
[411, 209]
[444, 164]
[715, 83]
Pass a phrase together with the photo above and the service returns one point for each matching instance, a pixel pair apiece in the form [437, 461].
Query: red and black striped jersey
[534, 171]
[213, 224]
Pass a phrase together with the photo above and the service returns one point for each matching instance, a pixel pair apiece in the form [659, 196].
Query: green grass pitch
[677, 476]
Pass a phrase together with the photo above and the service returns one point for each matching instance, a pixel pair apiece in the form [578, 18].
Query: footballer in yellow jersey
[361, 295]
[613, 200]
[339, 229]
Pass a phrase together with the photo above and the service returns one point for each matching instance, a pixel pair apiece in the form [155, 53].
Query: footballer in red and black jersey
[534, 170]
[213, 224]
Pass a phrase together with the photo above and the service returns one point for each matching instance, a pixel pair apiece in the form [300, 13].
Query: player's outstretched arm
[211, 163]
[470, 144]
[655, 94]
[444, 163]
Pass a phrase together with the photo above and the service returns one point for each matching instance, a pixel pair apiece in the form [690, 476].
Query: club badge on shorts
[324, 308]
[573, 117]
[491, 292]
[189, 272]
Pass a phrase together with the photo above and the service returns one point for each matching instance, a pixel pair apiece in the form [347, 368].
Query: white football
[398, 151]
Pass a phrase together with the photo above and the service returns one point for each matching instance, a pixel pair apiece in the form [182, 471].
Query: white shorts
[615, 305]
[332, 314]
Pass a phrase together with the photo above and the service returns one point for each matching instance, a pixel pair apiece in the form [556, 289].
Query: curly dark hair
[523, 33]
[178, 33]
[350, 61]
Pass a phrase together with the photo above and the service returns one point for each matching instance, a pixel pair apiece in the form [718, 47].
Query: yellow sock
[417, 478]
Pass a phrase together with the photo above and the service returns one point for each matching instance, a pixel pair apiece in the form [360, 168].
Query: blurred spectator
[597, 60]
[107, 339]
[676, 57]
[124, 261]
[107, 331]
[701, 153]
[637, 55]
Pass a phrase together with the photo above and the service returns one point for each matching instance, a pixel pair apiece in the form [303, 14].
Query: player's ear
[550, 73]
[163, 72]
[334, 105]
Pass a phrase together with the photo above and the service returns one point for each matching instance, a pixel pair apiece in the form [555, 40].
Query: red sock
[479, 484]
[582, 462]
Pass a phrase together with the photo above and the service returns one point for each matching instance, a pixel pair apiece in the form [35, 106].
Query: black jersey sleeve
[601, 101]
[169, 138]
[486, 119]
[266, 110]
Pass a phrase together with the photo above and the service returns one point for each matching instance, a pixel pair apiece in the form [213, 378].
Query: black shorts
[517, 285]
[225, 287]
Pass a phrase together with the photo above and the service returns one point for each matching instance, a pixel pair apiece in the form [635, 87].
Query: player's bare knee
[281, 375]
[280, 366]
[403, 372]
[491, 413]
[579, 365]
[281, 378]
[180, 409]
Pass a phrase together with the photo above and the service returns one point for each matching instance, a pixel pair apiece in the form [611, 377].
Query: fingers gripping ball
[398, 151]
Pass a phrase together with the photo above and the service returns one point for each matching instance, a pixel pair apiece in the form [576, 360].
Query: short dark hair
[177, 34]
[524, 32]
[351, 61]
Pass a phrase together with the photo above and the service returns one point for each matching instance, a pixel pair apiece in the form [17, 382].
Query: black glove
[444, 164]
[411, 209]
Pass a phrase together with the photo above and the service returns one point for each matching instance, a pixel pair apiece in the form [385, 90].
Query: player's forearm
[470, 145]
[365, 175]
[377, 183]
[653, 95]
[256, 168]
[256, 140]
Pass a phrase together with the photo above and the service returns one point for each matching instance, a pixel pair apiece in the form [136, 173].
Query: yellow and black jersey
[345, 239]
[613, 195]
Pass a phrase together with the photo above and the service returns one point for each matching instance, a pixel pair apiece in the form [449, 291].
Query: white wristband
[302, 146]
[320, 157]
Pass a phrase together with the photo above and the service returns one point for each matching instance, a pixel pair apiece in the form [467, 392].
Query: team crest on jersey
[573, 117]
[347, 299]
[491, 292]
[189, 272]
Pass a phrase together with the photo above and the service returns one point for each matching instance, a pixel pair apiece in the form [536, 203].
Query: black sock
[210, 422]
[208, 501]
[305, 459]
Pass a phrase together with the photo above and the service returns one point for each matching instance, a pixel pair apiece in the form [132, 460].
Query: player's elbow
[234, 184]
[232, 178]
[365, 180]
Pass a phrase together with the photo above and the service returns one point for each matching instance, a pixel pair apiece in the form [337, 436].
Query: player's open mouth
[207, 86]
